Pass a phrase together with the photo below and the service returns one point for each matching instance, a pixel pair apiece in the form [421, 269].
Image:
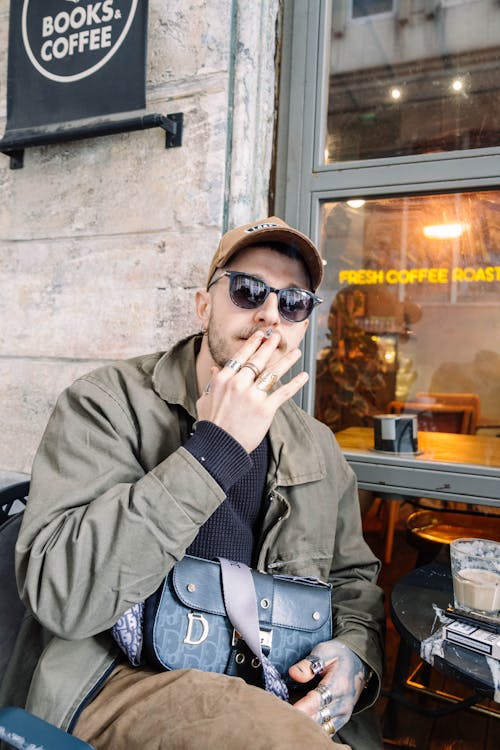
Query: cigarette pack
[473, 637]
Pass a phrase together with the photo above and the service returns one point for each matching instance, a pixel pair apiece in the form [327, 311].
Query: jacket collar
[296, 456]
[174, 376]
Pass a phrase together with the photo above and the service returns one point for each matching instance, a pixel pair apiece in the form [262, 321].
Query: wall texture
[103, 241]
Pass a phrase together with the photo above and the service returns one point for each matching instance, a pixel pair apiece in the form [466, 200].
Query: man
[202, 451]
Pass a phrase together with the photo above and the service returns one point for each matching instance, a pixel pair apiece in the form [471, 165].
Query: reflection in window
[412, 304]
[424, 80]
[363, 8]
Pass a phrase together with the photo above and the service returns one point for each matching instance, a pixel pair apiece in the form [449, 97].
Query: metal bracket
[14, 142]
[16, 158]
[173, 137]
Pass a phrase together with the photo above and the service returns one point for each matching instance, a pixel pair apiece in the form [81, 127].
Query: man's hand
[343, 679]
[235, 399]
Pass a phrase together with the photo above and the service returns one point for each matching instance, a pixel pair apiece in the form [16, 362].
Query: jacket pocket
[314, 565]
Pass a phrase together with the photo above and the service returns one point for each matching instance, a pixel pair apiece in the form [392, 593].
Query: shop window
[412, 304]
[425, 80]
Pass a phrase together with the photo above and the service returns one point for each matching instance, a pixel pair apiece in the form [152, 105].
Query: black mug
[396, 433]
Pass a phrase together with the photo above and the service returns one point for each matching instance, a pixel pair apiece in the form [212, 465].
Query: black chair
[12, 609]
[13, 499]
[18, 728]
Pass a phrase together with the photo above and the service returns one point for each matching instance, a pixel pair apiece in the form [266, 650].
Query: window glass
[424, 78]
[363, 8]
[411, 305]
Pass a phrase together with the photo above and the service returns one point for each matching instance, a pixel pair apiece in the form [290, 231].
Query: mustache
[247, 332]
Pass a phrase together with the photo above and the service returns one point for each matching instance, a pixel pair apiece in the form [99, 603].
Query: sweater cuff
[220, 454]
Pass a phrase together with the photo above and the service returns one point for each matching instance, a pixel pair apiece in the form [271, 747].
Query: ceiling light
[457, 85]
[356, 202]
[396, 93]
[444, 231]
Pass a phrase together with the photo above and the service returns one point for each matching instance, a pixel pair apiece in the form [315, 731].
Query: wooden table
[449, 466]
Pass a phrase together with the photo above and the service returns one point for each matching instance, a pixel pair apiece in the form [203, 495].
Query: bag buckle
[266, 639]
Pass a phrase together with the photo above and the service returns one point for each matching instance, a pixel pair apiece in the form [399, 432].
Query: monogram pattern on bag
[127, 632]
[171, 631]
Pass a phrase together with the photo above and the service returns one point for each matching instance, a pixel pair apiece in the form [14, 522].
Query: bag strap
[240, 600]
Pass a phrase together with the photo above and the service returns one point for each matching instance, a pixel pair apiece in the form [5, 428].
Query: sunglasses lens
[295, 304]
[250, 292]
[247, 291]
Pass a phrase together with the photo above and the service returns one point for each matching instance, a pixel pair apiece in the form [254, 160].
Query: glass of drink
[475, 569]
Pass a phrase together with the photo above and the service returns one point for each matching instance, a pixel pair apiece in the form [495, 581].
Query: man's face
[229, 326]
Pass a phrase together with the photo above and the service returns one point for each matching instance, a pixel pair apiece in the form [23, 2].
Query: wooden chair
[431, 417]
[437, 417]
[454, 399]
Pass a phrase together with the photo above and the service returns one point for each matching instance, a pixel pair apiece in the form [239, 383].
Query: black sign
[74, 59]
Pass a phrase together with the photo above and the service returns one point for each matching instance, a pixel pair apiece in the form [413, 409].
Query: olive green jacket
[115, 501]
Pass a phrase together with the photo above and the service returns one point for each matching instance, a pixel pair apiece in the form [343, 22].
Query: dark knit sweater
[229, 532]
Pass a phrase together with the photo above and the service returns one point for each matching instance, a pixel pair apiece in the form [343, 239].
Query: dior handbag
[224, 617]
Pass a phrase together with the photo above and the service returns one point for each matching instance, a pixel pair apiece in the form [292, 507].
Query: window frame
[304, 181]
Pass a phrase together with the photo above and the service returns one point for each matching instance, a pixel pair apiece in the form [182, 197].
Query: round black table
[414, 618]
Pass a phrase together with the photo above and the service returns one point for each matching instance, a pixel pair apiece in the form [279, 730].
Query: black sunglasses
[250, 292]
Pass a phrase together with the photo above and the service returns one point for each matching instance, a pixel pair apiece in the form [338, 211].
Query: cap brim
[287, 236]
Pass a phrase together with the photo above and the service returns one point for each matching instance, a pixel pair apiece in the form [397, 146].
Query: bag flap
[297, 604]
[198, 584]
[301, 605]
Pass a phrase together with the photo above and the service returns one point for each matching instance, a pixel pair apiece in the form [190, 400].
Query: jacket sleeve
[359, 615]
[100, 532]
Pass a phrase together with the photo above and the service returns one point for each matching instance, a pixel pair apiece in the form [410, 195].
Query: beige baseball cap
[260, 232]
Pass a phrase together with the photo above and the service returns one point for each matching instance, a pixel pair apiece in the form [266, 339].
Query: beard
[217, 345]
[222, 348]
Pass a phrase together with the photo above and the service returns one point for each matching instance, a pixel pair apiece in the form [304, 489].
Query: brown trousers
[185, 709]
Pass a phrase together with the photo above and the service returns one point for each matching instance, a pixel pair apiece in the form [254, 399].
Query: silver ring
[251, 366]
[266, 381]
[325, 715]
[329, 727]
[233, 365]
[317, 665]
[325, 695]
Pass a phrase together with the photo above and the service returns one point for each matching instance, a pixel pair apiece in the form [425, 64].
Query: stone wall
[103, 241]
